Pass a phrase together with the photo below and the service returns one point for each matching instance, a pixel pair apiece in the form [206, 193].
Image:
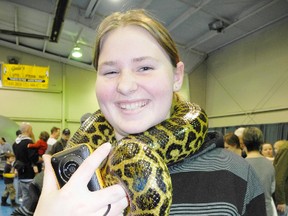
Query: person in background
[278, 144]
[232, 143]
[34, 193]
[281, 170]
[19, 194]
[9, 175]
[25, 158]
[61, 144]
[266, 149]
[5, 147]
[239, 132]
[18, 132]
[55, 133]
[41, 146]
[139, 73]
[253, 139]
[35, 187]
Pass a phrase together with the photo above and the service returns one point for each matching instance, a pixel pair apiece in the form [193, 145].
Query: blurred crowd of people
[23, 161]
[269, 161]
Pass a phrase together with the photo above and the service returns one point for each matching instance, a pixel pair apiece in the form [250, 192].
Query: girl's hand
[74, 198]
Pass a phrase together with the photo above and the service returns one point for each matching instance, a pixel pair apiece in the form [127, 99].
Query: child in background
[41, 146]
[9, 175]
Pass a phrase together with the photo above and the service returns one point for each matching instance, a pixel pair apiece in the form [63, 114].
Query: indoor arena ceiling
[51, 28]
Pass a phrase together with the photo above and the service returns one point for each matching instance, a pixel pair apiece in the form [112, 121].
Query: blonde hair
[142, 19]
[25, 127]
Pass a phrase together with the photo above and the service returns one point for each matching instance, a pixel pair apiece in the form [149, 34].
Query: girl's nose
[127, 83]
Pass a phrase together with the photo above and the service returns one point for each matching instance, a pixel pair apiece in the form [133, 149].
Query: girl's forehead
[132, 40]
[127, 32]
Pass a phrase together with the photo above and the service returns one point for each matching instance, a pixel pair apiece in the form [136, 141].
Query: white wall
[247, 82]
[197, 84]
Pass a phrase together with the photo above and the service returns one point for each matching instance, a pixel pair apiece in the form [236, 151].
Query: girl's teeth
[132, 106]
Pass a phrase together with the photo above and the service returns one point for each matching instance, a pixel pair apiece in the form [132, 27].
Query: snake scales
[140, 161]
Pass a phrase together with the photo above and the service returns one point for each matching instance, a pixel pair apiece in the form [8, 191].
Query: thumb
[49, 182]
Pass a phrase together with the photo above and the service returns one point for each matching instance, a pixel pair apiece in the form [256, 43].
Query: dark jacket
[8, 176]
[281, 170]
[28, 156]
[58, 146]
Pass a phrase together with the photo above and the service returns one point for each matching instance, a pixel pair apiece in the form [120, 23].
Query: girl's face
[267, 150]
[135, 80]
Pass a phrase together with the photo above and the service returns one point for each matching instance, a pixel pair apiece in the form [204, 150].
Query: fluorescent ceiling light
[76, 53]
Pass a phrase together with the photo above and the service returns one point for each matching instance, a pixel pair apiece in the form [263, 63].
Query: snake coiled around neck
[140, 161]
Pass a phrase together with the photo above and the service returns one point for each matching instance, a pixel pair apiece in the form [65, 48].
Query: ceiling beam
[47, 32]
[16, 24]
[253, 31]
[24, 34]
[59, 19]
[46, 6]
[145, 4]
[91, 9]
[211, 34]
[47, 55]
[186, 15]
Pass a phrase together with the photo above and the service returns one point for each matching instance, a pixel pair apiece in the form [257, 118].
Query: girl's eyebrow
[108, 63]
[142, 58]
[134, 60]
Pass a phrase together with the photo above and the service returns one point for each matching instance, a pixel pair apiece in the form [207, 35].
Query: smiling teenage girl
[138, 72]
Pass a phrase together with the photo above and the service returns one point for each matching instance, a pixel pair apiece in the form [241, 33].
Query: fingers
[104, 211]
[49, 180]
[110, 195]
[84, 173]
[114, 209]
[98, 201]
[117, 208]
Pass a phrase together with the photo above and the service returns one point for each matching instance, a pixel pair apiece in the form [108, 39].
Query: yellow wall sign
[25, 76]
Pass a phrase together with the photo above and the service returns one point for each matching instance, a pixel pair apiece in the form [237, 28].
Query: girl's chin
[132, 130]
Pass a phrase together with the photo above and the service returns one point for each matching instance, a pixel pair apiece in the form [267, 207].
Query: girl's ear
[178, 76]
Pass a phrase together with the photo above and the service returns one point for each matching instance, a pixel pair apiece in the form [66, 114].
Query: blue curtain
[271, 132]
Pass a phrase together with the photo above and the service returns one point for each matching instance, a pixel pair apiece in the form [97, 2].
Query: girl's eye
[146, 68]
[110, 73]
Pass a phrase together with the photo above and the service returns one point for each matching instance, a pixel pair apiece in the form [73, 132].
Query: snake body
[140, 161]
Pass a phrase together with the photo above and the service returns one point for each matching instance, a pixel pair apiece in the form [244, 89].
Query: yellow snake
[139, 161]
